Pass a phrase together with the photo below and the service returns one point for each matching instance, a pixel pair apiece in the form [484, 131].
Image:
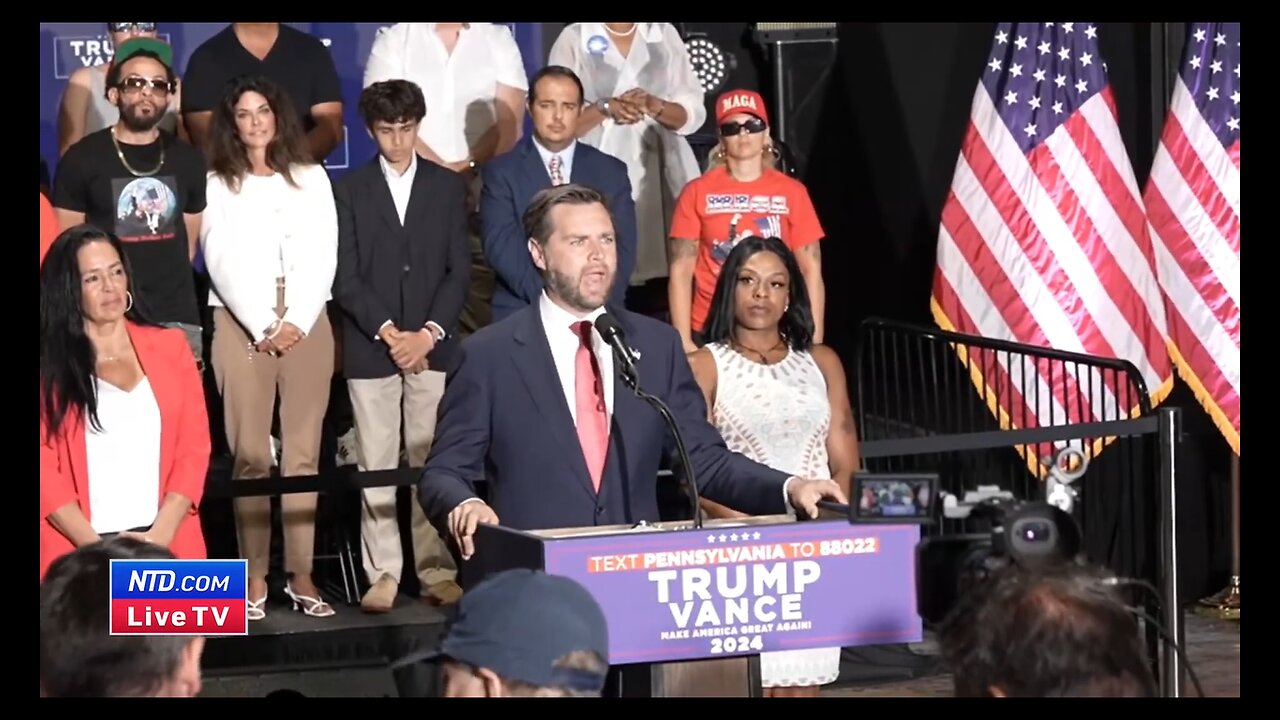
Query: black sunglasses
[126, 27]
[134, 83]
[751, 125]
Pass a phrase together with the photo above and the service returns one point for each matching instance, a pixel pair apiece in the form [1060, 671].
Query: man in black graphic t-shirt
[144, 185]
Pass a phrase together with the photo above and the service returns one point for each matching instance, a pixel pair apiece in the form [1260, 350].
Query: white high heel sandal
[314, 607]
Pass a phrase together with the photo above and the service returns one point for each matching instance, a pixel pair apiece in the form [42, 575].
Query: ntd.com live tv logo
[179, 597]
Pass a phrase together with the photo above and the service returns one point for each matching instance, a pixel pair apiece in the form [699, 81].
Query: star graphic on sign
[711, 538]
[757, 535]
[722, 538]
[734, 537]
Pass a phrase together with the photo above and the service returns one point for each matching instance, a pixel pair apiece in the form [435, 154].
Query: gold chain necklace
[764, 357]
[127, 166]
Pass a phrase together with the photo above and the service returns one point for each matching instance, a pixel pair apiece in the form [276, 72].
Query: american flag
[1193, 203]
[1044, 240]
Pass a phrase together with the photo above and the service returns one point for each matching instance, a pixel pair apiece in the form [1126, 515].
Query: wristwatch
[603, 106]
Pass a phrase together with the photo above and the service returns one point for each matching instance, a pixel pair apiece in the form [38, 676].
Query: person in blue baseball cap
[523, 633]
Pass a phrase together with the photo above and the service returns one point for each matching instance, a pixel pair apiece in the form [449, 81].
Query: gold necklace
[127, 166]
[764, 357]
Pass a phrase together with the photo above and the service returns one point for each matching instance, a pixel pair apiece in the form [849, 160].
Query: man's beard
[140, 123]
[567, 290]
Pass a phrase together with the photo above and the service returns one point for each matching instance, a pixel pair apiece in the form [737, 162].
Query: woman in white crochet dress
[778, 399]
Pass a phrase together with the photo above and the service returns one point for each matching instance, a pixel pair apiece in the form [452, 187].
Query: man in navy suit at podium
[536, 403]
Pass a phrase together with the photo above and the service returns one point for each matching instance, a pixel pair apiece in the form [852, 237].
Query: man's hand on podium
[805, 494]
[463, 521]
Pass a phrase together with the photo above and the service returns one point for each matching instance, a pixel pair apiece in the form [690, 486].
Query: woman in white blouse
[644, 99]
[270, 239]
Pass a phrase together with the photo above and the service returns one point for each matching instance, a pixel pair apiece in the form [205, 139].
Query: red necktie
[593, 422]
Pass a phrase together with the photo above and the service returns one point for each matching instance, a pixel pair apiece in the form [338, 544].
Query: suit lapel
[419, 196]
[538, 372]
[380, 195]
[534, 168]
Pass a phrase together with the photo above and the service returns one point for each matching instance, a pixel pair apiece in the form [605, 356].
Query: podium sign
[746, 587]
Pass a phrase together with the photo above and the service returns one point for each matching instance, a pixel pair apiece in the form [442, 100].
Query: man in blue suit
[552, 156]
[536, 403]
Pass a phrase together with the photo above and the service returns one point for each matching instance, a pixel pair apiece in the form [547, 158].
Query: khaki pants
[248, 381]
[379, 406]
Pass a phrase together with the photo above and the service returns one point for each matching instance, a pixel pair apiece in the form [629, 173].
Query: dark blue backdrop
[66, 46]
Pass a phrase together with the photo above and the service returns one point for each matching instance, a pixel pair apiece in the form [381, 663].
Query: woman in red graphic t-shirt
[740, 195]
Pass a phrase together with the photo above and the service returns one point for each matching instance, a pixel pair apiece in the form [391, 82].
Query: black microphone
[608, 328]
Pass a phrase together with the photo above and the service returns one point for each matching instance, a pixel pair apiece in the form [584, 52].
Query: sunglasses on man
[126, 27]
[751, 126]
[134, 83]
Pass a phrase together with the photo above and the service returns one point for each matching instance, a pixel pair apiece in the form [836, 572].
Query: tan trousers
[379, 406]
[248, 381]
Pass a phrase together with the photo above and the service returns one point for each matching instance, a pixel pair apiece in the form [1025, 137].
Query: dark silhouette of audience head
[1061, 631]
[78, 655]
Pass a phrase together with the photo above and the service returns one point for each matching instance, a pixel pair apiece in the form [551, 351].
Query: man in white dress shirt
[474, 81]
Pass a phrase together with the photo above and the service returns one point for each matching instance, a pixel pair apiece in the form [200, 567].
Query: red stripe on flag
[1113, 278]
[1234, 153]
[1201, 181]
[1205, 369]
[1032, 245]
[1188, 257]
[1008, 302]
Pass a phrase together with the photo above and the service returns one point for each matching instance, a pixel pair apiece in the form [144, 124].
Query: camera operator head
[1054, 631]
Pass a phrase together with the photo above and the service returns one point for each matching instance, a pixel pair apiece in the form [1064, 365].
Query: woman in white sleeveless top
[778, 399]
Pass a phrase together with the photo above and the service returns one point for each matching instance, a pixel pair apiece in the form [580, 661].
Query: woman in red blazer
[124, 432]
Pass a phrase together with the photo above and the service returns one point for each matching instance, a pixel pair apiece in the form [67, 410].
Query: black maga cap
[518, 623]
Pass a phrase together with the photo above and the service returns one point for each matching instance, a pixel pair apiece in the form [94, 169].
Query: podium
[691, 610]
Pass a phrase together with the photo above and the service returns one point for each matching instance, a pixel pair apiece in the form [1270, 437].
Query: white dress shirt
[565, 155]
[564, 342]
[460, 88]
[401, 186]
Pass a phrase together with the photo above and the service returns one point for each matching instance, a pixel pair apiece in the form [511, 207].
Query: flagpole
[1226, 604]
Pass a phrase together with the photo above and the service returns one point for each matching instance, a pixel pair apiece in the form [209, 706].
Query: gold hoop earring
[774, 151]
[128, 305]
[717, 154]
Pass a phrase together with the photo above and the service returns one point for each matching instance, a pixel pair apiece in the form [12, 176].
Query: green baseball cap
[133, 46]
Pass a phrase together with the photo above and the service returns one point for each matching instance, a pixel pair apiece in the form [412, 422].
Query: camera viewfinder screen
[897, 498]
